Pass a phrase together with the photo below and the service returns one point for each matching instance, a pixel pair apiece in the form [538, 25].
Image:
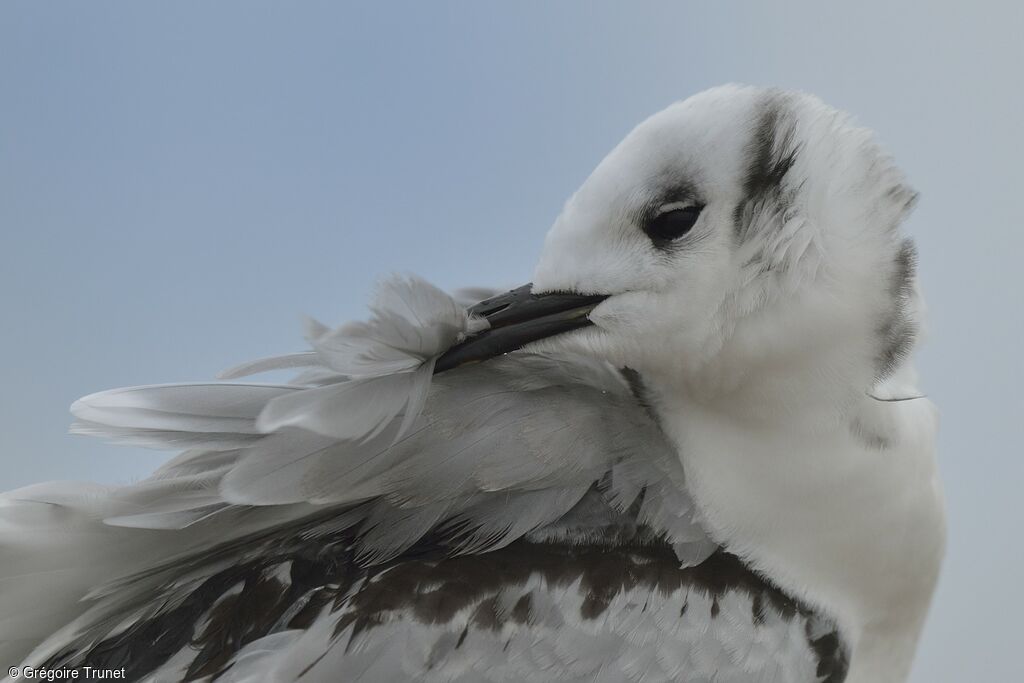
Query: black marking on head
[771, 153]
[898, 329]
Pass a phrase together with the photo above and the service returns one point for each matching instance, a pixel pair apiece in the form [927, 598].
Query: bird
[693, 448]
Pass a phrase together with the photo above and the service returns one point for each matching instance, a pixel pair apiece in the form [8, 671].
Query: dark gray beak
[518, 318]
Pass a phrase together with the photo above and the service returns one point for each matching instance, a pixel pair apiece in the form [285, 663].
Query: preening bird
[692, 450]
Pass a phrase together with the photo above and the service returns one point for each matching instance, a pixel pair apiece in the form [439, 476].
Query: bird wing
[523, 519]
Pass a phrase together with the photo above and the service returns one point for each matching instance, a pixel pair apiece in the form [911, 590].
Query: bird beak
[517, 318]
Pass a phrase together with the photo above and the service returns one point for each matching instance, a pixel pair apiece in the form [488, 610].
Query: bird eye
[673, 224]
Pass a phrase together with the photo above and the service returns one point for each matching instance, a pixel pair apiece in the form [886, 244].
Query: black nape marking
[771, 153]
[898, 329]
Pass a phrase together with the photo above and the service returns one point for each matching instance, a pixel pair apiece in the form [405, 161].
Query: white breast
[847, 516]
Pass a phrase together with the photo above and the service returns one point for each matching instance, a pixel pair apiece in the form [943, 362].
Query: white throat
[839, 505]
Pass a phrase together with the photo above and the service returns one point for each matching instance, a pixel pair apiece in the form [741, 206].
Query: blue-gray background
[179, 181]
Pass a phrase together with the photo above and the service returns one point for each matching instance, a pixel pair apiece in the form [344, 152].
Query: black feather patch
[289, 579]
[771, 153]
[898, 330]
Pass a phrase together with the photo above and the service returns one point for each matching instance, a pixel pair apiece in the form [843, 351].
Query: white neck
[831, 494]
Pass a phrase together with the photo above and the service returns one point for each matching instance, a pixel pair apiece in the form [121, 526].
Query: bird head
[741, 231]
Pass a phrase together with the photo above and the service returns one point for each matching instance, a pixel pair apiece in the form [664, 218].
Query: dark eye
[671, 225]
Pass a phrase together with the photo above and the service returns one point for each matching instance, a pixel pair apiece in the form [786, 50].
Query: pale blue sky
[180, 181]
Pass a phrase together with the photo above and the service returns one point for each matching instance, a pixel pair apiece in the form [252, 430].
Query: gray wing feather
[543, 425]
[367, 455]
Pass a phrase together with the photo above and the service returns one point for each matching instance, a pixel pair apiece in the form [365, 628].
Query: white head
[742, 233]
[748, 243]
